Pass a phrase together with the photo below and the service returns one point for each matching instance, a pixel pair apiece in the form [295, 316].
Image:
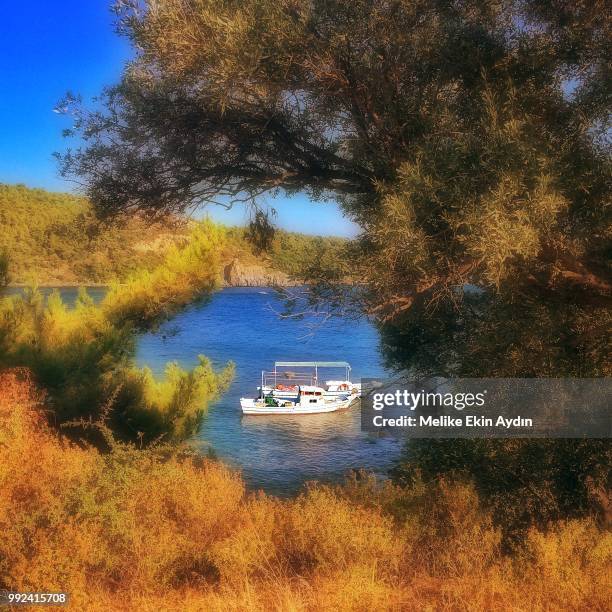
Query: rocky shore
[237, 274]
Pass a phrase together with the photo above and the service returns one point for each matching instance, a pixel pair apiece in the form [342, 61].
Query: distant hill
[55, 239]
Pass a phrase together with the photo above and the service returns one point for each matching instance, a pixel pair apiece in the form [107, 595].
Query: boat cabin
[308, 394]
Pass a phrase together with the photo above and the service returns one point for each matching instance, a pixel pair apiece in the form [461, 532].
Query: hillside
[55, 239]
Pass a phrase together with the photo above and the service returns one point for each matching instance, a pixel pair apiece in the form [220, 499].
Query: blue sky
[49, 48]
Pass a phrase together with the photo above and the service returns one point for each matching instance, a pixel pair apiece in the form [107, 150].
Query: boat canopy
[311, 364]
[299, 378]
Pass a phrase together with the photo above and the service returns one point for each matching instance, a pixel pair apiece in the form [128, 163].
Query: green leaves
[172, 408]
[83, 357]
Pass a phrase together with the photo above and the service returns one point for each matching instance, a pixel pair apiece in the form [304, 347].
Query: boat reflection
[308, 426]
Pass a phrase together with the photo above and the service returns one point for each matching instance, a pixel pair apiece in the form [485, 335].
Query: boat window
[313, 401]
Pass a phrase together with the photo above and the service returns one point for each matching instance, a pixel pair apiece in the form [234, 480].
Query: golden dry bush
[452, 514]
[38, 476]
[250, 551]
[161, 529]
[75, 519]
[576, 557]
[322, 531]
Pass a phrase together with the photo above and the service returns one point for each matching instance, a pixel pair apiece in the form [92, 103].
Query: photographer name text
[447, 421]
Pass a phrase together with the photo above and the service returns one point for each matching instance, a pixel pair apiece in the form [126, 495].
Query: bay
[275, 453]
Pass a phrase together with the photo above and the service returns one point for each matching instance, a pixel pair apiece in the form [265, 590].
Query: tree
[446, 129]
[468, 139]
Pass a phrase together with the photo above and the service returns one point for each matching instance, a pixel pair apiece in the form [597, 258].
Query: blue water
[276, 453]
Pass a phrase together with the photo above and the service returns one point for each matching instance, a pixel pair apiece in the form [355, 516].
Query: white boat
[284, 381]
[309, 400]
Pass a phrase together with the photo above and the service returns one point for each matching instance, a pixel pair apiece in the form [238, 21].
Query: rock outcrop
[237, 274]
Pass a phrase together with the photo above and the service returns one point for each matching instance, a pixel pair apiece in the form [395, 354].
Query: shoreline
[56, 285]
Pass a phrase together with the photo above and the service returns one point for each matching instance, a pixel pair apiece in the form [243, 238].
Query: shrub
[83, 357]
[323, 531]
[163, 529]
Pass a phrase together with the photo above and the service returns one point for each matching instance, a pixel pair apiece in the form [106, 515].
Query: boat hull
[254, 407]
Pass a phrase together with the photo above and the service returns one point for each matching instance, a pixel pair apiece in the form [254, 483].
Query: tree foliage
[84, 357]
[469, 139]
[446, 129]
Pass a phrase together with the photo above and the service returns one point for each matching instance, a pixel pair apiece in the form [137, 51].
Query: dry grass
[137, 530]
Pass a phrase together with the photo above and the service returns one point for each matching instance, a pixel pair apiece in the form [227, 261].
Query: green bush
[83, 357]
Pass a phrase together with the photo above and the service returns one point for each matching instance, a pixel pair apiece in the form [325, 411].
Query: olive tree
[469, 139]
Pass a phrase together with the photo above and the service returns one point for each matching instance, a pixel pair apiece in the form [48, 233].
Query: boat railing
[287, 379]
